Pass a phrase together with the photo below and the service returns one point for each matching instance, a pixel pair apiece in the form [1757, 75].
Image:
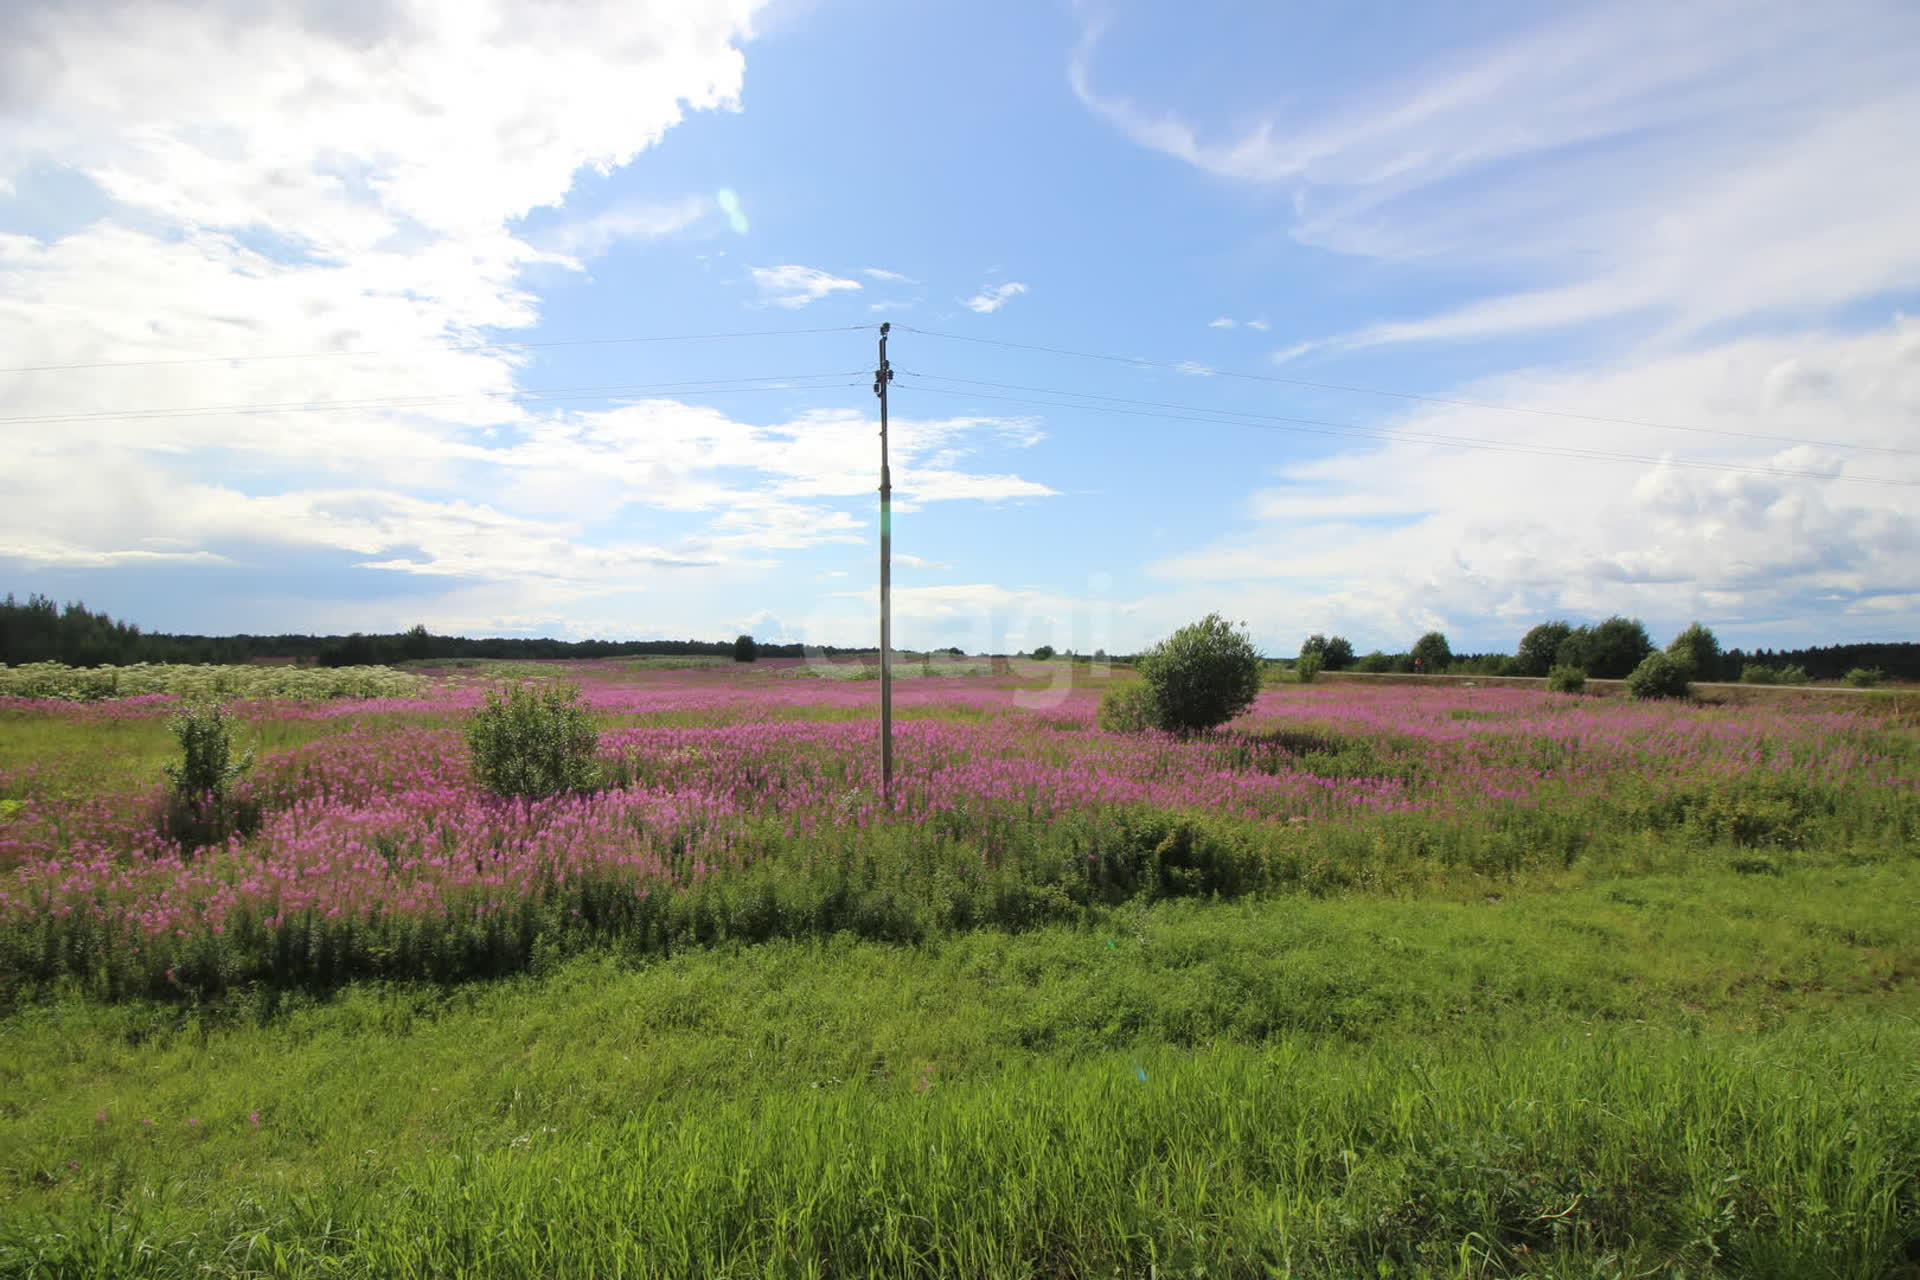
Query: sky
[560, 317]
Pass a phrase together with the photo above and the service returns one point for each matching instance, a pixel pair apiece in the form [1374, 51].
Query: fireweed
[742, 805]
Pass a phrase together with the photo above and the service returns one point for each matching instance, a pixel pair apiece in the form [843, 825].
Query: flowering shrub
[88, 684]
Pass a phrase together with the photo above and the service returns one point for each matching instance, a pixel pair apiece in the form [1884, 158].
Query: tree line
[1613, 649]
[39, 630]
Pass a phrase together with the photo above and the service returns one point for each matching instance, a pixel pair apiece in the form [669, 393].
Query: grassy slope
[1713, 1073]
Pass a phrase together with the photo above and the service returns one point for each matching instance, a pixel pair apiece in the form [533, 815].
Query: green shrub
[1202, 676]
[1339, 654]
[745, 650]
[1865, 677]
[1795, 674]
[200, 809]
[1127, 708]
[1697, 650]
[1659, 676]
[1432, 653]
[1043, 652]
[1565, 679]
[533, 741]
[1307, 666]
[1758, 673]
[1375, 663]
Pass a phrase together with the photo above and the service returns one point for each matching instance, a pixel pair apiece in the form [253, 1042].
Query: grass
[1664, 1027]
[1714, 1073]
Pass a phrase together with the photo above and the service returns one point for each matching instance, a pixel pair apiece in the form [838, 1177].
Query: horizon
[522, 322]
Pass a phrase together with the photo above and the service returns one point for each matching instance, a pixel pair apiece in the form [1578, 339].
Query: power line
[1315, 426]
[451, 346]
[716, 386]
[1407, 395]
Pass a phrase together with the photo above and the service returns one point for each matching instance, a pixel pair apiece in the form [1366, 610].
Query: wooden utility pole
[881, 377]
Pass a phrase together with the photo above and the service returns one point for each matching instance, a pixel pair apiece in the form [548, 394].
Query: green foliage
[1339, 654]
[1697, 652]
[1043, 652]
[745, 650]
[1615, 647]
[1794, 673]
[1376, 663]
[1431, 653]
[533, 740]
[1127, 708]
[1865, 677]
[1314, 645]
[1307, 666]
[1564, 679]
[84, 684]
[1758, 673]
[1659, 676]
[200, 809]
[1540, 648]
[1202, 676]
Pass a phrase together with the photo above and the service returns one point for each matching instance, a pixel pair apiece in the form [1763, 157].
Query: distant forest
[41, 631]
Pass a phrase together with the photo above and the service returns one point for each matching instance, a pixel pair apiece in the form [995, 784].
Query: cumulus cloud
[793, 286]
[337, 196]
[1385, 539]
[993, 297]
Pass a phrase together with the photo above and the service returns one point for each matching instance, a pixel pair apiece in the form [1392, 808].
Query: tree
[1697, 650]
[417, 642]
[1202, 676]
[1314, 645]
[529, 741]
[1431, 652]
[1574, 651]
[1043, 652]
[1659, 676]
[745, 650]
[1339, 654]
[1540, 648]
[1616, 647]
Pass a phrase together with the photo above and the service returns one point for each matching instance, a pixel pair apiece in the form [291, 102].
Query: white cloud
[311, 177]
[591, 237]
[1224, 322]
[993, 297]
[1681, 167]
[794, 286]
[1385, 540]
[887, 277]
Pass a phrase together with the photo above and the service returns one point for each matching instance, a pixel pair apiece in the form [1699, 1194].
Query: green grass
[1712, 1073]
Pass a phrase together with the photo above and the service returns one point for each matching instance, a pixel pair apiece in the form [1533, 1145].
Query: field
[1388, 980]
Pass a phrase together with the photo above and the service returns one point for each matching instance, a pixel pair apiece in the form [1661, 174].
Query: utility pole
[881, 377]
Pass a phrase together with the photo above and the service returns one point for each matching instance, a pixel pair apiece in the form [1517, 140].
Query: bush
[1043, 653]
[1202, 676]
[199, 808]
[1865, 677]
[1376, 663]
[1540, 648]
[1306, 667]
[1616, 647]
[1758, 673]
[1339, 654]
[1431, 653]
[1564, 679]
[1127, 708]
[532, 741]
[745, 649]
[1795, 674]
[1659, 676]
[1697, 650]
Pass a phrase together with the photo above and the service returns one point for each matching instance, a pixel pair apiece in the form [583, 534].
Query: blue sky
[1680, 235]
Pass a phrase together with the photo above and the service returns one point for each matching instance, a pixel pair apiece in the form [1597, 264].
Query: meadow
[1384, 980]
